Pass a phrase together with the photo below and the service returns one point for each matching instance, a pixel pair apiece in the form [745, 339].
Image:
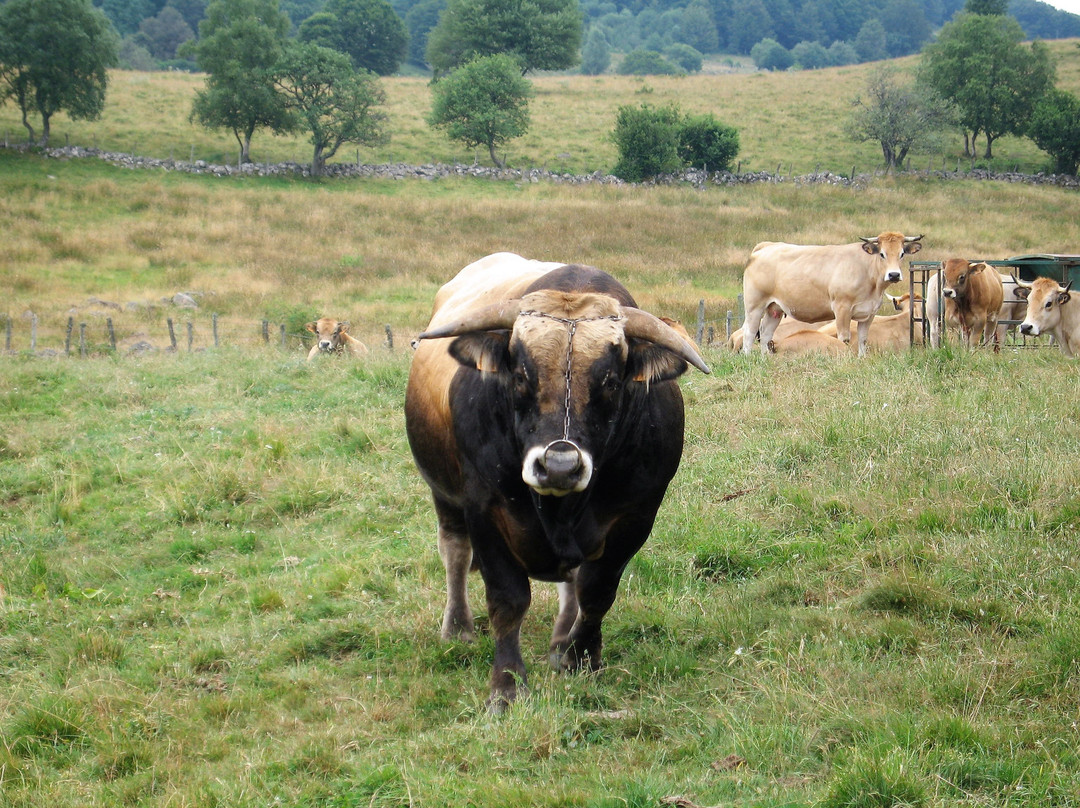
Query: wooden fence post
[266, 331]
[282, 336]
[112, 333]
[33, 333]
[172, 334]
[67, 339]
[389, 337]
[190, 335]
[699, 332]
[213, 317]
[82, 340]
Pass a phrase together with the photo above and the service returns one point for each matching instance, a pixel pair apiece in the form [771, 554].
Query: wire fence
[125, 334]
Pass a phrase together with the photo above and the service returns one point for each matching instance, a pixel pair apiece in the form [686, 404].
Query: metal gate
[1062, 268]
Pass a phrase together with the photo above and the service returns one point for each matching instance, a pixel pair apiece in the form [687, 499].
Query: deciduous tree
[54, 56]
[483, 103]
[1055, 128]
[979, 62]
[240, 42]
[541, 34]
[900, 118]
[334, 102]
[369, 31]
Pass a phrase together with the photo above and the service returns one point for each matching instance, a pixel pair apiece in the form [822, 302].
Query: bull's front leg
[507, 600]
[564, 622]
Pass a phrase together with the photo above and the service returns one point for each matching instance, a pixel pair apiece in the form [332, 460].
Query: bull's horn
[909, 239]
[492, 318]
[1063, 289]
[1019, 282]
[873, 240]
[642, 325]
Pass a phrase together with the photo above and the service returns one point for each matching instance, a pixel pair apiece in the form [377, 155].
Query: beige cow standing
[813, 283]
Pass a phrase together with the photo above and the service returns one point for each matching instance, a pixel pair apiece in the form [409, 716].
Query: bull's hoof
[571, 659]
[500, 700]
[458, 630]
[771, 346]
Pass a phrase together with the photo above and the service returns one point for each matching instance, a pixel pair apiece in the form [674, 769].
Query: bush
[704, 141]
[768, 54]
[685, 56]
[654, 141]
[647, 63]
[1055, 128]
[648, 142]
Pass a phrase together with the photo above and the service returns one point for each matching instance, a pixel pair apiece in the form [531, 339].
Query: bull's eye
[521, 383]
[1049, 305]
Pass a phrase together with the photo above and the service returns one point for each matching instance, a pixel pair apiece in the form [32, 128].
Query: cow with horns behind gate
[543, 412]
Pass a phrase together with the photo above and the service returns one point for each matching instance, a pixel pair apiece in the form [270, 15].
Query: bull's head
[329, 333]
[890, 249]
[1044, 297]
[957, 274]
[568, 361]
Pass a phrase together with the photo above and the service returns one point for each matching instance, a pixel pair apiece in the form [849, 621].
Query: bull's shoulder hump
[495, 277]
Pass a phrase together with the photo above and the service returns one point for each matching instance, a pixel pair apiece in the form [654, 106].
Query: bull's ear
[1022, 292]
[486, 351]
[649, 363]
[310, 327]
[1063, 297]
[912, 247]
[342, 328]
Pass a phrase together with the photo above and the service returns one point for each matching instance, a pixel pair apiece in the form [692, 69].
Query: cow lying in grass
[333, 337]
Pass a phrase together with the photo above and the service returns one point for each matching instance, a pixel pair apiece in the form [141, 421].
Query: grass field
[218, 577]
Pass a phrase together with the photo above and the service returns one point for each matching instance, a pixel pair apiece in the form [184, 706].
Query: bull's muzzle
[895, 276]
[1029, 329]
[562, 467]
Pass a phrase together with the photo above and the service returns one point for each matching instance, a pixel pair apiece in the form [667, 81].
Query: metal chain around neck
[571, 325]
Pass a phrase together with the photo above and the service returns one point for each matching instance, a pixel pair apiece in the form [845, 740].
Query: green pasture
[218, 577]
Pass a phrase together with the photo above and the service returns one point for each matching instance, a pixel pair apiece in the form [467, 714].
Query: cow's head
[329, 333]
[1044, 297]
[957, 275]
[889, 249]
[567, 362]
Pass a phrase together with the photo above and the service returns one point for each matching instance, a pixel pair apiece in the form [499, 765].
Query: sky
[1065, 5]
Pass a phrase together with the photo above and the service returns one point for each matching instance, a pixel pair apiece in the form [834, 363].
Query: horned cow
[543, 412]
[973, 296]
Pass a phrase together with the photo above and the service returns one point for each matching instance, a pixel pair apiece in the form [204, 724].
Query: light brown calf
[333, 337]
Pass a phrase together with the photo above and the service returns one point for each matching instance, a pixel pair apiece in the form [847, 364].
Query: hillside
[791, 120]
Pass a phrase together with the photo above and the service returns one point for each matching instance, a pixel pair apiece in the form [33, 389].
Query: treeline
[812, 33]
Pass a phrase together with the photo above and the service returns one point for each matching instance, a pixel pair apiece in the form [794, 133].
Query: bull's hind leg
[457, 556]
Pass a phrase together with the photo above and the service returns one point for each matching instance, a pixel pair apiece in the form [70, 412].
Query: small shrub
[704, 141]
[876, 782]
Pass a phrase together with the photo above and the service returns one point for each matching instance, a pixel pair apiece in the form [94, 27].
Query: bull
[542, 411]
[1050, 311]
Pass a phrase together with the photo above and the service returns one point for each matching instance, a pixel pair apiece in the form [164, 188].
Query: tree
[420, 20]
[1055, 128]
[240, 42]
[684, 56]
[596, 55]
[810, 56]
[542, 34]
[331, 100]
[980, 63]
[54, 56]
[646, 63]
[768, 54]
[164, 34]
[484, 102]
[697, 28]
[369, 31]
[870, 41]
[901, 119]
[906, 27]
